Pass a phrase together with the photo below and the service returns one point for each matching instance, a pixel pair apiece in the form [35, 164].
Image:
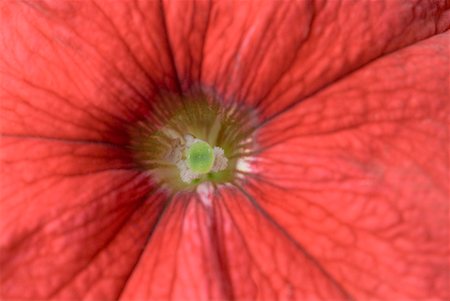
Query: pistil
[199, 159]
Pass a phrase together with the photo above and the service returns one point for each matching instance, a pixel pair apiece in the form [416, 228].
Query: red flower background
[347, 198]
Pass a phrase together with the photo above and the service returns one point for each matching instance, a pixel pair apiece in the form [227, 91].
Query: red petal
[181, 260]
[73, 221]
[221, 248]
[273, 54]
[81, 71]
[263, 262]
[357, 175]
[74, 216]
[80, 222]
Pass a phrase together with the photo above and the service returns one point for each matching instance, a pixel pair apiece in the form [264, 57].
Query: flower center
[190, 139]
[200, 157]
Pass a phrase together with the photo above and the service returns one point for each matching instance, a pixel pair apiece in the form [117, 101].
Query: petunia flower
[327, 120]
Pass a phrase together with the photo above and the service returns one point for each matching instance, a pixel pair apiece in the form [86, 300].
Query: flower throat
[191, 139]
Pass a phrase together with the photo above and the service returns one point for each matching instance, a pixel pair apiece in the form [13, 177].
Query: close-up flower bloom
[224, 150]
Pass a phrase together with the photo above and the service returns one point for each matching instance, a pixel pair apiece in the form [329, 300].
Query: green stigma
[200, 157]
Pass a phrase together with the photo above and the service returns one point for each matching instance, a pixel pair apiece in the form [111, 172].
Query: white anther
[220, 161]
[186, 174]
[189, 140]
[174, 155]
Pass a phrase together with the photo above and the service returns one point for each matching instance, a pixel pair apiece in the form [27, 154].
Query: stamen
[198, 159]
[220, 161]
